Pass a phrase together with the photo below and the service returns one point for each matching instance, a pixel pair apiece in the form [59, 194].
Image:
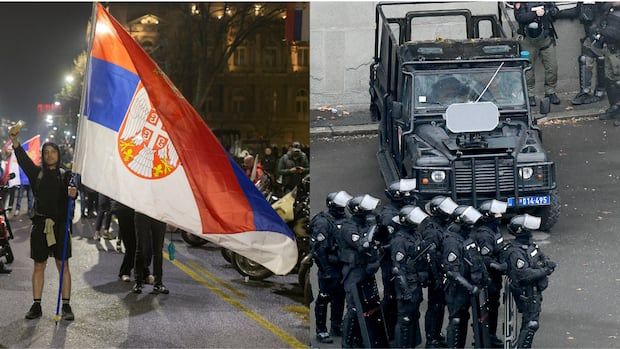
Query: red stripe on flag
[289, 30]
[221, 202]
[106, 43]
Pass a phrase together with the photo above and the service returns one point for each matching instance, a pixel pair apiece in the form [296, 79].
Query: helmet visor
[470, 215]
[369, 203]
[531, 222]
[416, 216]
[448, 206]
[342, 198]
[498, 207]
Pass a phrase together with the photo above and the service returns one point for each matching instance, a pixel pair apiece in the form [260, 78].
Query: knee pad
[455, 321]
[323, 297]
[405, 319]
[582, 59]
[532, 325]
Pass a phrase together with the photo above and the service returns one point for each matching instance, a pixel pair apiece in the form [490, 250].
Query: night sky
[38, 42]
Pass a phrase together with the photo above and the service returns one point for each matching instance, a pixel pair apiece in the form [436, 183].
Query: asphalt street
[581, 307]
[209, 305]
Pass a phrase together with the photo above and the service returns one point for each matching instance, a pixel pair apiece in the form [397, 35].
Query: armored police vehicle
[454, 114]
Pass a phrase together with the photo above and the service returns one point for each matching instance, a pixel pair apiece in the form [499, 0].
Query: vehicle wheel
[9, 254]
[549, 215]
[249, 268]
[227, 254]
[307, 292]
[192, 239]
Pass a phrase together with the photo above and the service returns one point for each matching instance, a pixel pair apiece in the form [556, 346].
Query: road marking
[277, 331]
[215, 279]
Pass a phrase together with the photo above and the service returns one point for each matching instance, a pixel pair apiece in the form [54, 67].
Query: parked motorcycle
[294, 209]
[6, 233]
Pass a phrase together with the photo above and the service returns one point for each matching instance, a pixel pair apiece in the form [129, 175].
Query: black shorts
[39, 251]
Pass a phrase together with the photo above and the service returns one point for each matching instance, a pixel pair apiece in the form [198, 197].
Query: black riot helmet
[493, 209]
[362, 205]
[411, 216]
[401, 190]
[523, 224]
[441, 206]
[337, 201]
[466, 215]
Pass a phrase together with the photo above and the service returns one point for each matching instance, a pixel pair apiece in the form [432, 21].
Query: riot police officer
[539, 39]
[528, 269]
[465, 272]
[324, 229]
[610, 34]
[361, 255]
[410, 259]
[589, 14]
[433, 230]
[399, 194]
[489, 239]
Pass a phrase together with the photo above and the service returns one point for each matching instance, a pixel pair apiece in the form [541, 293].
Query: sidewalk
[339, 122]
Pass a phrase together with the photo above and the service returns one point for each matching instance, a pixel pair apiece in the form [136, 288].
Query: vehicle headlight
[438, 176]
[526, 172]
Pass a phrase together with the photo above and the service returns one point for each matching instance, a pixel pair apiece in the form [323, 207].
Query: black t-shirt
[50, 192]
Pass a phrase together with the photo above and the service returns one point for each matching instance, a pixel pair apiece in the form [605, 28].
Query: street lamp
[69, 79]
[57, 103]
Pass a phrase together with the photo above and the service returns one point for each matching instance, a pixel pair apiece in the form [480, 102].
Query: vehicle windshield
[437, 90]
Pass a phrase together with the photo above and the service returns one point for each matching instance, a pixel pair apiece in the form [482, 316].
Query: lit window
[301, 104]
[240, 56]
[303, 56]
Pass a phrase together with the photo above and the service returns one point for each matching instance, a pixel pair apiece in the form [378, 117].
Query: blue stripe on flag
[23, 179]
[299, 13]
[111, 89]
[265, 218]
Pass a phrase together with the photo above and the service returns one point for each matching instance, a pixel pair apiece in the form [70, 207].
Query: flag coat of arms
[141, 143]
[33, 149]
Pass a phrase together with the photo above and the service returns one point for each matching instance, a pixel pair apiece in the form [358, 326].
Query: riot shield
[510, 317]
[370, 315]
[480, 319]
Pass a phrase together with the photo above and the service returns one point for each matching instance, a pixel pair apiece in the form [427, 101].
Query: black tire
[192, 239]
[249, 268]
[227, 254]
[550, 215]
[9, 254]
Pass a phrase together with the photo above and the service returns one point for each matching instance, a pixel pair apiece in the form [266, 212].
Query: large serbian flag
[33, 149]
[141, 143]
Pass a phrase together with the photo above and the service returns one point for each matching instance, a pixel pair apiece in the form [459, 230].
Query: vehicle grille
[485, 174]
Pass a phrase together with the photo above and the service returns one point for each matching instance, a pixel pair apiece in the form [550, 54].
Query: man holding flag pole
[52, 192]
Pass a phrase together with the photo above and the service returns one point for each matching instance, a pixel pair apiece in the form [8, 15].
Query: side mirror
[397, 110]
[545, 106]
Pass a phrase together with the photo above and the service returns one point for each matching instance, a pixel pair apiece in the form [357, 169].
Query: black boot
[457, 333]
[553, 98]
[35, 311]
[320, 312]
[613, 95]
[402, 333]
[67, 312]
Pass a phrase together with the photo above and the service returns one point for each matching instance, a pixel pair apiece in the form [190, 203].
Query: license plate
[543, 200]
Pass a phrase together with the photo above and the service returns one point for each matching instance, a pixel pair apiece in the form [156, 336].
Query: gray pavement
[581, 307]
[209, 305]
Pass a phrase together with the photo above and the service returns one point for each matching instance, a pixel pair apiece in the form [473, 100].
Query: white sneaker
[125, 278]
[150, 279]
[96, 236]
